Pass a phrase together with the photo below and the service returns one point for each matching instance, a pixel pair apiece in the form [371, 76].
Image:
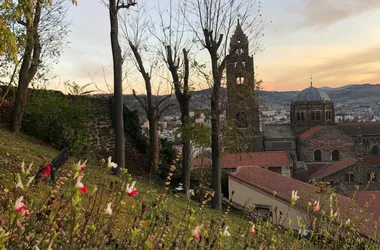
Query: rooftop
[312, 94]
[328, 170]
[365, 128]
[310, 132]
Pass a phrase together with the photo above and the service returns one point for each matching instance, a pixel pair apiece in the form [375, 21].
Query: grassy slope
[15, 149]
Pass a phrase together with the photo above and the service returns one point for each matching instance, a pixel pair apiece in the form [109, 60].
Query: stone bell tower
[242, 107]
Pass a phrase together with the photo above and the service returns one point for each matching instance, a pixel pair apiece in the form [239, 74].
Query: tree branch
[163, 110]
[139, 100]
[163, 100]
[126, 6]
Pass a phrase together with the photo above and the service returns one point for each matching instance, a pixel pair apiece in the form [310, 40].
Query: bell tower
[242, 108]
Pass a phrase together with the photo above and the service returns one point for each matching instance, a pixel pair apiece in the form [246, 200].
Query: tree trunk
[118, 88]
[29, 66]
[153, 143]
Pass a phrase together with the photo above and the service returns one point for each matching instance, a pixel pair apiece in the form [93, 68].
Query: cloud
[318, 13]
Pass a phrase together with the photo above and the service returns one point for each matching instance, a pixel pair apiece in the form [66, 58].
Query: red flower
[81, 166]
[131, 190]
[80, 185]
[46, 170]
[20, 207]
[317, 207]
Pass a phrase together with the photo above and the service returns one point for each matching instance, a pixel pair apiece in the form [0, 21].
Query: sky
[337, 42]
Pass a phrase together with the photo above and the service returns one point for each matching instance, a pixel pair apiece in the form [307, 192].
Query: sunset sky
[338, 42]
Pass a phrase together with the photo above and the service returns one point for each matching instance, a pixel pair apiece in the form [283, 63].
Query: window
[375, 150]
[328, 115]
[318, 116]
[242, 120]
[276, 169]
[298, 117]
[239, 80]
[349, 177]
[312, 115]
[371, 176]
[318, 155]
[302, 117]
[335, 156]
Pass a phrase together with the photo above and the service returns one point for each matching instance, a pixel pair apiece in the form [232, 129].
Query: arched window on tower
[375, 150]
[318, 116]
[241, 120]
[239, 80]
[312, 115]
[317, 155]
[335, 155]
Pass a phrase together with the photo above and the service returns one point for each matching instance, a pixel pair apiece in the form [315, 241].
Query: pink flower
[20, 207]
[80, 185]
[253, 229]
[196, 232]
[109, 209]
[46, 170]
[317, 207]
[131, 190]
[19, 183]
[81, 166]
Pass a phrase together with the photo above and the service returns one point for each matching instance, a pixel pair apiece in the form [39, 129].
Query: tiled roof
[372, 198]
[372, 159]
[366, 128]
[278, 131]
[270, 182]
[333, 168]
[304, 175]
[262, 159]
[310, 132]
[315, 167]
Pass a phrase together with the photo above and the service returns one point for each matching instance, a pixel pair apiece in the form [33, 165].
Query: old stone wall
[327, 140]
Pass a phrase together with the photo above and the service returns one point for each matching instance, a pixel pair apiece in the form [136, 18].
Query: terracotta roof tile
[328, 170]
[366, 128]
[315, 167]
[372, 159]
[310, 132]
[262, 159]
[270, 182]
[372, 198]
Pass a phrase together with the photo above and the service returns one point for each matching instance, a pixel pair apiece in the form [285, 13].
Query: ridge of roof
[330, 169]
[311, 131]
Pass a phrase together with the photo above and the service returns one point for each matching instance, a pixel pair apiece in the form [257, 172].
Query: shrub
[58, 119]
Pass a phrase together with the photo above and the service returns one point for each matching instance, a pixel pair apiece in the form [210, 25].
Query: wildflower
[109, 209]
[81, 166]
[332, 214]
[80, 185]
[131, 190]
[46, 170]
[317, 207]
[30, 181]
[111, 164]
[20, 207]
[253, 229]
[196, 232]
[225, 232]
[294, 198]
[23, 167]
[19, 182]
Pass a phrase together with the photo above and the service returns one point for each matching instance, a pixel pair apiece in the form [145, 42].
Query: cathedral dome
[312, 94]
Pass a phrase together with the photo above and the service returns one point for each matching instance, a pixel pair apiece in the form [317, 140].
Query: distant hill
[368, 94]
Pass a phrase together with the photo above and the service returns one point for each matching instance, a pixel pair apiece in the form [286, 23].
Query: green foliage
[166, 155]
[58, 119]
[132, 127]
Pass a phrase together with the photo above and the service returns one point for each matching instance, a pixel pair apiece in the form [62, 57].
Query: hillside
[360, 93]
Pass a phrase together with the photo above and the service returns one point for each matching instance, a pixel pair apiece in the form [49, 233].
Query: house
[270, 193]
[277, 161]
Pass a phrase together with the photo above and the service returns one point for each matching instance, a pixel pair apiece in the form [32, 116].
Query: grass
[15, 149]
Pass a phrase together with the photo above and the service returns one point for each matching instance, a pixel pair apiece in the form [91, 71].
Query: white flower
[109, 209]
[19, 182]
[80, 185]
[131, 190]
[111, 164]
[225, 232]
[348, 222]
[23, 167]
[81, 166]
[30, 180]
[295, 197]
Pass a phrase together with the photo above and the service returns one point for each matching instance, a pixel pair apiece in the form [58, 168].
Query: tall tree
[171, 35]
[136, 32]
[114, 7]
[212, 23]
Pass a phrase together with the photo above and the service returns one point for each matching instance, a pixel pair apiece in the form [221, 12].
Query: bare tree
[212, 23]
[171, 36]
[114, 7]
[136, 31]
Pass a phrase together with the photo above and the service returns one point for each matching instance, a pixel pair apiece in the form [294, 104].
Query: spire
[311, 80]
[238, 29]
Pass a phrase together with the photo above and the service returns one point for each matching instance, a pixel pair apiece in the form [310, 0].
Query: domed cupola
[312, 107]
[312, 94]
